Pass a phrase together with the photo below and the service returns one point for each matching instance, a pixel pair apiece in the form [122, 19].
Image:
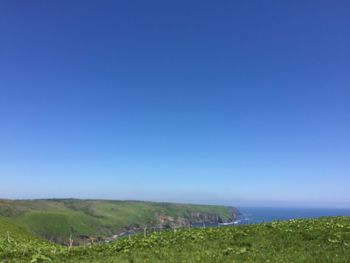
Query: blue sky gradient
[230, 102]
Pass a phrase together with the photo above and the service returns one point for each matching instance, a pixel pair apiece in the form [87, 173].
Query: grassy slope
[58, 219]
[310, 240]
[14, 231]
[17, 244]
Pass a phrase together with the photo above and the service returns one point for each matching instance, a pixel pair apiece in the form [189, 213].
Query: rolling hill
[59, 219]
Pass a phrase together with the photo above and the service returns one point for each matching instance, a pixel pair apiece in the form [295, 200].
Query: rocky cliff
[196, 217]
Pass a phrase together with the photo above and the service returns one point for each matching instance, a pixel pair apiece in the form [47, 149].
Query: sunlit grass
[306, 240]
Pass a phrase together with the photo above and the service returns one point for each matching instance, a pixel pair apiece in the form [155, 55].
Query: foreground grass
[307, 240]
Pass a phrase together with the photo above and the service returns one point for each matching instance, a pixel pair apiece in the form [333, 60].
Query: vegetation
[307, 240]
[58, 219]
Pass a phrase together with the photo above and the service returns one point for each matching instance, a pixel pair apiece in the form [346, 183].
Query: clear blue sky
[232, 102]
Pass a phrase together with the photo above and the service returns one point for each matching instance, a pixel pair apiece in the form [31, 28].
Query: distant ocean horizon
[254, 215]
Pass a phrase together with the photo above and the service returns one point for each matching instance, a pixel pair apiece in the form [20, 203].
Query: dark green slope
[12, 231]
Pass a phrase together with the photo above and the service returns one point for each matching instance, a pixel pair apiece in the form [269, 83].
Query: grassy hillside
[17, 244]
[59, 219]
[10, 230]
[308, 240]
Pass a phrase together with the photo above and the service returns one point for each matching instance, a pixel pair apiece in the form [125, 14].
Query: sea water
[253, 215]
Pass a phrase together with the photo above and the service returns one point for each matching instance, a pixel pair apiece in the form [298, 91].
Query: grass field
[59, 219]
[305, 240]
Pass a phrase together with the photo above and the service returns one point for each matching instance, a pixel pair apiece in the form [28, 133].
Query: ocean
[253, 215]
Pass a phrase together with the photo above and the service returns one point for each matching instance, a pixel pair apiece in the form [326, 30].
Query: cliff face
[212, 218]
[194, 217]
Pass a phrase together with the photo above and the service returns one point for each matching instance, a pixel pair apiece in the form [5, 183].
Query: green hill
[58, 219]
[12, 231]
[306, 240]
[17, 244]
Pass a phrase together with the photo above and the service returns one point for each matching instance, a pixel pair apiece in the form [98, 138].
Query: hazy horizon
[238, 204]
[243, 104]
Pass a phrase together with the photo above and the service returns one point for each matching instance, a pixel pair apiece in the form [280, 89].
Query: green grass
[7, 227]
[58, 219]
[56, 225]
[305, 240]
[18, 245]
